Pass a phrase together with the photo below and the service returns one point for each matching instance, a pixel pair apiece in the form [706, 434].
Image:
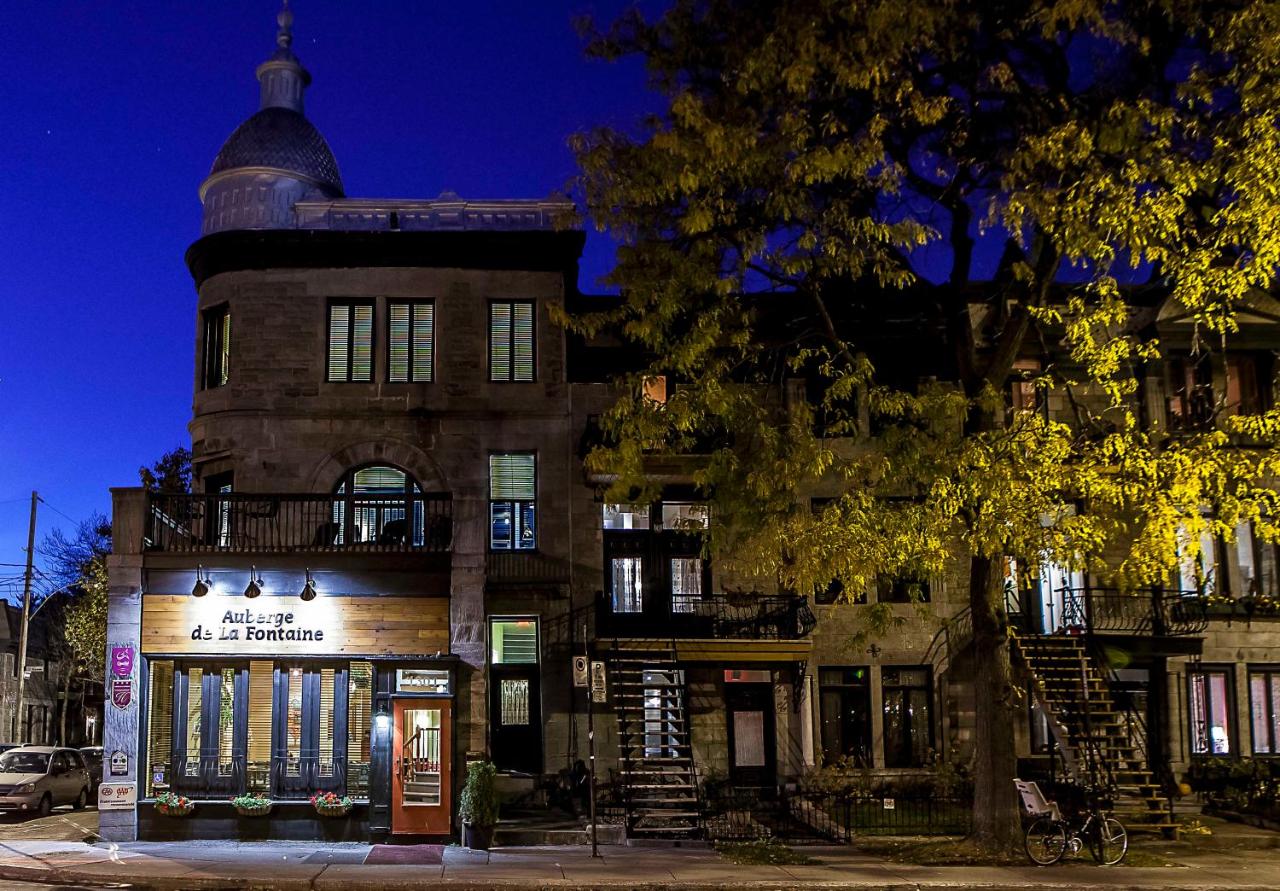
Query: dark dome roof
[284, 139]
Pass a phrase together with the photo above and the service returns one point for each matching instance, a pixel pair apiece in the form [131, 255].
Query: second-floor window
[511, 333]
[410, 342]
[350, 341]
[513, 486]
[217, 347]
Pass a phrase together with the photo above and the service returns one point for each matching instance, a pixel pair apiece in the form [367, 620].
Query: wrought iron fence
[734, 815]
[251, 523]
[733, 616]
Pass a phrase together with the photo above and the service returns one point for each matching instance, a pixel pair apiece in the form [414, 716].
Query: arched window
[383, 505]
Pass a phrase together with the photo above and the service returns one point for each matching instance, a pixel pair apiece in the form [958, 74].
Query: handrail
[1113, 611]
[249, 522]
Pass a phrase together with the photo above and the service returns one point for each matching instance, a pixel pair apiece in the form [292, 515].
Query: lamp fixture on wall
[202, 585]
[308, 592]
[254, 588]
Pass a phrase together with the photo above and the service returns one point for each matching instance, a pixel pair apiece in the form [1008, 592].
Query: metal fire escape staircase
[1097, 742]
[658, 781]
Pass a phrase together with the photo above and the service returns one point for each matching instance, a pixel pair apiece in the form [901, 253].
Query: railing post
[1158, 625]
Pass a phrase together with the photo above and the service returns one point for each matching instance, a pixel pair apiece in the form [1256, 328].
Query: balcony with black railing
[714, 616]
[1097, 610]
[241, 522]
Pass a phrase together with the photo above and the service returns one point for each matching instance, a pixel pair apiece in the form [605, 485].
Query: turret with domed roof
[275, 158]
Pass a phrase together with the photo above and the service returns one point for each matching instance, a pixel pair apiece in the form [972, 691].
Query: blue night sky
[113, 113]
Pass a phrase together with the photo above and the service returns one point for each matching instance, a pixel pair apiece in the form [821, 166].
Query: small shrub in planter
[327, 804]
[478, 806]
[251, 805]
[170, 804]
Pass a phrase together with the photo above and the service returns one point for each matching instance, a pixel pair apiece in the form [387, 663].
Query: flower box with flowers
[251, 805]
[171, 804]
[327, 804]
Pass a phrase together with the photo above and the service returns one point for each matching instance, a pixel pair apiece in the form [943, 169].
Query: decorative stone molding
[401, 454]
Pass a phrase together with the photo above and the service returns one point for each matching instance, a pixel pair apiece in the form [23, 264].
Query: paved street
[63, 824]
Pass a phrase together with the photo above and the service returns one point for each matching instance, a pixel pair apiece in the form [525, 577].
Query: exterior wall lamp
[254, 588]
[203, 583]
[308, 592]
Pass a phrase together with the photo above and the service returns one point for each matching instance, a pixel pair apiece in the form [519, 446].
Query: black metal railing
[249, 522]
[1112, 611]
[745, 814]
[730, 616]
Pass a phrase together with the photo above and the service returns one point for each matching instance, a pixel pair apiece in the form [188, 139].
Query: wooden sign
[270, 626]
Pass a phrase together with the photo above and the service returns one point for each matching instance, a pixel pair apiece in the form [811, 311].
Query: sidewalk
[202, 866]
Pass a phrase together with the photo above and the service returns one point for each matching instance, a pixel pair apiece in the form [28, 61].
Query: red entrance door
[420, 780]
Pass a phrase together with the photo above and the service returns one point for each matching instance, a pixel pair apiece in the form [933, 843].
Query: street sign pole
[591, 743]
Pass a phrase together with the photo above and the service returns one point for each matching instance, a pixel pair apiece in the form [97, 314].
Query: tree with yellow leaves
[855, 221]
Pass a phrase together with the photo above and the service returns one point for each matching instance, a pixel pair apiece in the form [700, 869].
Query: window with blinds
[226, 722]
[511, 340]
[325, 735]
[217, 346]
[513, 487]
[195, 708]
[410, 342]
[258, 760]
[350, 341]
[159, 726]
[359, 727]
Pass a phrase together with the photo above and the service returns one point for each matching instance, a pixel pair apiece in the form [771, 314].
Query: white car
[37, 779]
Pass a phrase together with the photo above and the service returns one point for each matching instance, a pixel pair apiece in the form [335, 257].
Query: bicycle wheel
[1046, 841]
[1109, 841]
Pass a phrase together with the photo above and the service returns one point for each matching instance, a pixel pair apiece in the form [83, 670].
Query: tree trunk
[996, 818]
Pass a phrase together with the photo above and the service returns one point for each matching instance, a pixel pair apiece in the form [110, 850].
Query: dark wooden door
[749, 712]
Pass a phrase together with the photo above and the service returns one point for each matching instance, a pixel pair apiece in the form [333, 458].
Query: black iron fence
[733, 815]
[251, 522]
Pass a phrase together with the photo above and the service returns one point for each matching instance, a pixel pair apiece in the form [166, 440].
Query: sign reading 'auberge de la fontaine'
[223, 625]
[248, 624]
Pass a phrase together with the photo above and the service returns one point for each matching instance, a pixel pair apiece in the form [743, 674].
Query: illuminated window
[628, 585]
[511, 340]
[1264, 710]
[515, 701]
[512, 497]
[195, 716]
[258, 760]
[217, 347]
[359, 727]
[226, 722]
[686, 584]
[513, 642]
[159, 726]
[411, 342]
[1210, 695]
[350, 341]
[684, 516]
[625, 517]
[654, 389]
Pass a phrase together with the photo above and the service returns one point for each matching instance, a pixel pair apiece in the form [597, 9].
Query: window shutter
[523, 341]
[512, 477]
[423, 341]
[500, 341]
[398, 347]
[362, 343]
[339, 338]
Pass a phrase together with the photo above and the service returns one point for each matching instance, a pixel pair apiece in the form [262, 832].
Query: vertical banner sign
[598, 687]
[580, 671]
[121, 685]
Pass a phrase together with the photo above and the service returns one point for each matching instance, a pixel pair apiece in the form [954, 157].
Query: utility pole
[26, 618]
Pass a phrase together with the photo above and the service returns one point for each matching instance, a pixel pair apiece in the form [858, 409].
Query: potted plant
[251, 804]
[329, 804]
[478, 806]
[171, 804]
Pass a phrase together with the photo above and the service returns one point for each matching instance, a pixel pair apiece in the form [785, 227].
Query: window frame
[928, 689]
[865, 748]
[511, 377]
[515, 505]
[351, 304]
[215, 364]
[1272, 713]
[1233, 735]
[411, 368]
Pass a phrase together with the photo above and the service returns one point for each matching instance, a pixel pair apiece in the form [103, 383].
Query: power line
[58, 512]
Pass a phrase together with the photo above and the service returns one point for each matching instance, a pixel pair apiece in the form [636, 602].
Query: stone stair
[655, 757]
[1091, 732]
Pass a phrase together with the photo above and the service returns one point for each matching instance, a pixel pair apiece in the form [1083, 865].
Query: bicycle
[1049, 836]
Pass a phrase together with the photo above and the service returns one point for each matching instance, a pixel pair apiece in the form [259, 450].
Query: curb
[71, 876]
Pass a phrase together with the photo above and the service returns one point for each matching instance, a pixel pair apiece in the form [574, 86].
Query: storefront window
[258, 762]
[195, 701]
[1210, 692]
[159, 726]
[326, 765]
[359, 727]
[226, 722]
[293, 725]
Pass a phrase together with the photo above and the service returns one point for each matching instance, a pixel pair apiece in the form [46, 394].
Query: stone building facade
[393, 553]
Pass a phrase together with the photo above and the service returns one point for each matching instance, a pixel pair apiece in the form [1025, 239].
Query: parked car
[93, 760]
[39, 778]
